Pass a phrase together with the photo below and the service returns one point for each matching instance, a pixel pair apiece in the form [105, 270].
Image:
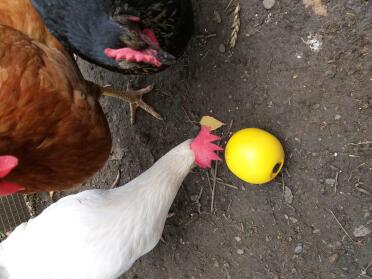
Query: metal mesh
[13, 211]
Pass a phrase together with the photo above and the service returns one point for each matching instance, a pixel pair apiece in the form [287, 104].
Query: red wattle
[131, 55]
[8, 188]
[7, 164]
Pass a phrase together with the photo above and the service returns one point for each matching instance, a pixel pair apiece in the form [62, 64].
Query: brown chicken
[50, 118]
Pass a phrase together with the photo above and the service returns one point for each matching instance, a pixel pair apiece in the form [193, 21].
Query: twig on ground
[360, 143]
[187, 115]
[362, 190]
[225, 135]
[220, 181]
[206, 36]
[351, 173]
[214, 186]
[336, 181]
[342, 227]
[116, 181]
[364, 270]
[209, 182]
[229, 5]
[200, 193]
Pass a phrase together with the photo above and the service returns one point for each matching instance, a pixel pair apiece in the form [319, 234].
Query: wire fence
[13, 211]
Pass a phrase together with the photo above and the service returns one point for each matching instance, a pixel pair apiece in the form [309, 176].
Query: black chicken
[127, 36]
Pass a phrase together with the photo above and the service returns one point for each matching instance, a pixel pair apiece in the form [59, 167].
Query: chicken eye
[132, 40]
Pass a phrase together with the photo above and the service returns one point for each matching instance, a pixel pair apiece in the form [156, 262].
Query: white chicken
[99, 234]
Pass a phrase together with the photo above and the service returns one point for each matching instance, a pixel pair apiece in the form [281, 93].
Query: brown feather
[22, 16]
[50, 117]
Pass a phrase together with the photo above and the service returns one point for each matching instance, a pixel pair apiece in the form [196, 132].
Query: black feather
[87, 27]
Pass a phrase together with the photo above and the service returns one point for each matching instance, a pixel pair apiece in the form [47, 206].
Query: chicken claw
[134, 98]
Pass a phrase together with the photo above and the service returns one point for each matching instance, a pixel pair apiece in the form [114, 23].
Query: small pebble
[316, 106]
[268, 4]
[337, 117]
[194, 198]
[217, 17]
[299, 248]
[222, 48]
[335, 245]
[288, 196]
[330, 74]
[330, 181]
[240, 251]
[238, 239]
[361, 231]
[293, 220]
[316, 231]
[333, 258]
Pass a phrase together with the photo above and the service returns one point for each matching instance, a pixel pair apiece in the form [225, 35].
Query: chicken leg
[134, 98]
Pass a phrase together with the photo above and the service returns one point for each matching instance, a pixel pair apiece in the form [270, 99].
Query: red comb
[204, 148]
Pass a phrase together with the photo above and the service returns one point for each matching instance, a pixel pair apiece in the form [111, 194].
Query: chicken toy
[99, 234]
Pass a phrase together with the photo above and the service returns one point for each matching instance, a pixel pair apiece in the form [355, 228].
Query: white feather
[97, 234]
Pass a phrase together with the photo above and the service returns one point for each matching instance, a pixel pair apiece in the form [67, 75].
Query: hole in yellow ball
[277, 168]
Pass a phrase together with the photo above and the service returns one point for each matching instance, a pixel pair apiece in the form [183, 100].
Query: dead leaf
[317, 6]
[211, 122]
[288, 196]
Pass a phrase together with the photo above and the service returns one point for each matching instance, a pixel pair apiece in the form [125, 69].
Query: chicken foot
[134, 98]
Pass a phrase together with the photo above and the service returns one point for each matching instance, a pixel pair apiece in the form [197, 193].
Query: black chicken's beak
[165, 57]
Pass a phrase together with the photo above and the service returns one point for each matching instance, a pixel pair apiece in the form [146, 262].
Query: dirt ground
[299, 70]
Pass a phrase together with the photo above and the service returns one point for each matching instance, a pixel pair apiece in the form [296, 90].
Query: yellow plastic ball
[254, 155]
